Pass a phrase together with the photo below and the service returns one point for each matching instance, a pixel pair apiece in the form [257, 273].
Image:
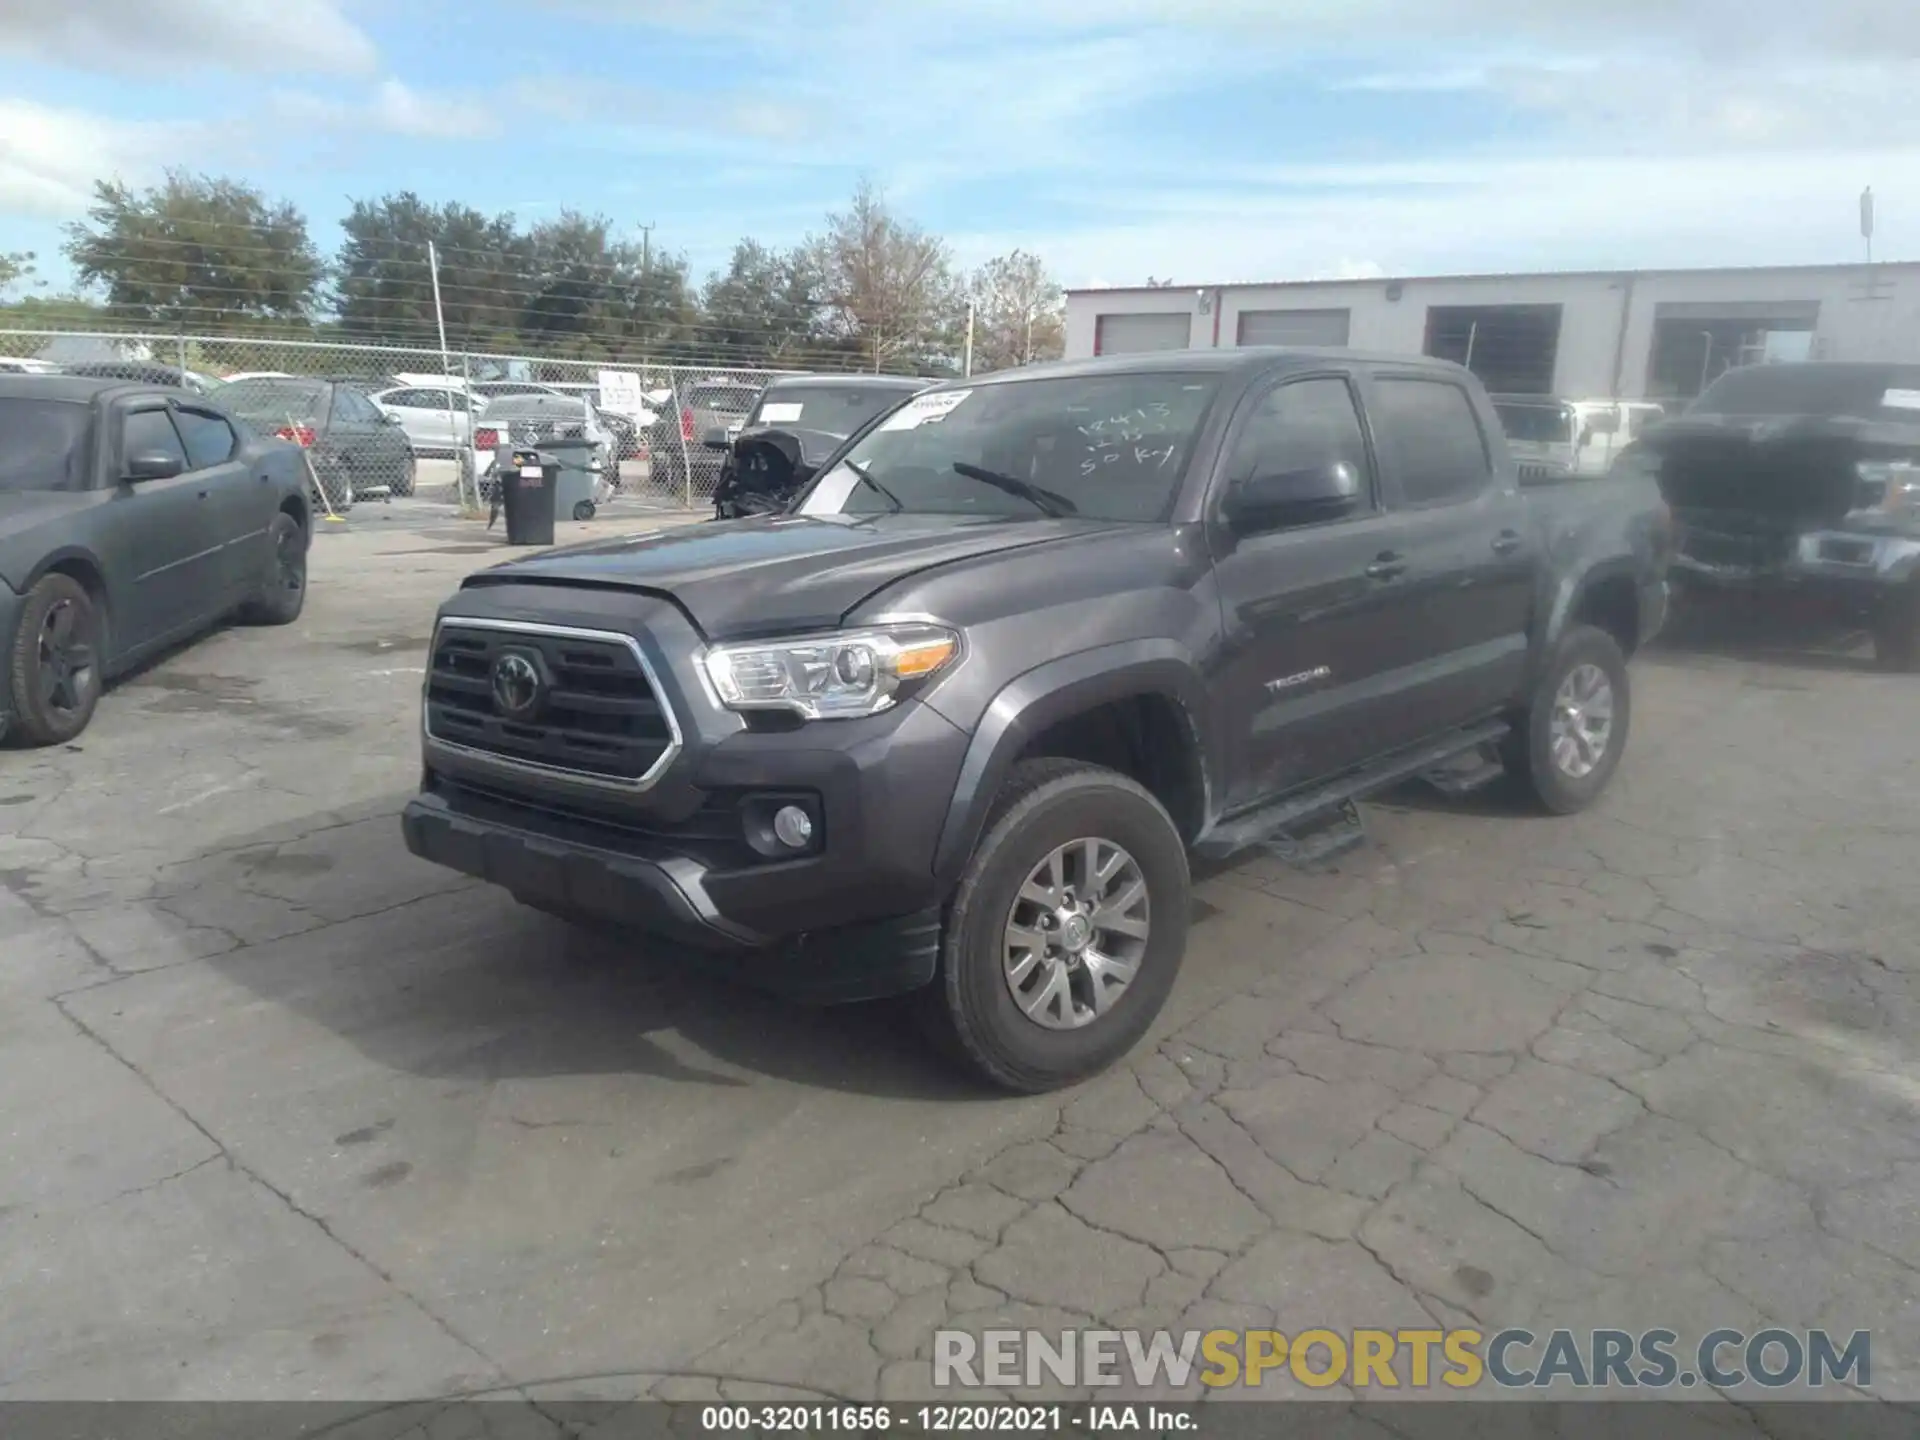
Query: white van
[1551, 437]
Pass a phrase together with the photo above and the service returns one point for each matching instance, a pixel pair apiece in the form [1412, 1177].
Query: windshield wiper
[865, 477]
[1043, 500]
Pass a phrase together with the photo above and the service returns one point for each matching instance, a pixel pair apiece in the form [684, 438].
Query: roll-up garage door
[1294, 327]
[1126, 334]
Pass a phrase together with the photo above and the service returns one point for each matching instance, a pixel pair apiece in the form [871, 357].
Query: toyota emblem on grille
[516, 685]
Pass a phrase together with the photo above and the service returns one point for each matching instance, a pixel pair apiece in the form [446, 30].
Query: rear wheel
[403, 482]
[55, 661]
[583, 510]
[1067, 931]
[283, 594]
[1568, 744]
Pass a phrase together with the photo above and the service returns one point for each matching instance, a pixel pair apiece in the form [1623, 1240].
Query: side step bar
[1231, 836]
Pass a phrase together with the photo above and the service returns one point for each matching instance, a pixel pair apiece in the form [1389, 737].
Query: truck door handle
[1506, 542]
[1386, 566]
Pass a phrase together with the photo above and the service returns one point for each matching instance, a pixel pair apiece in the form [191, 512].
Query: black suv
[954, 723]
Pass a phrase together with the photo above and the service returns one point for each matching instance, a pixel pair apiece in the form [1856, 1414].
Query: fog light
[792, 827]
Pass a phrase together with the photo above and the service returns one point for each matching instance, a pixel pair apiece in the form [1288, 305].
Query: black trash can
[526, 493]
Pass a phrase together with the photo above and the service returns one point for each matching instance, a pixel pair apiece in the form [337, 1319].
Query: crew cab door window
[1305, 428]
[1431, 446]
[209, 440]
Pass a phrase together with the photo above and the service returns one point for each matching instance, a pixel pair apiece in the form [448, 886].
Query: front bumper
[857, 915]
[1813, 559]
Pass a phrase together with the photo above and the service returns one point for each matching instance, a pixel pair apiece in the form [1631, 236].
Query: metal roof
[1863, 270]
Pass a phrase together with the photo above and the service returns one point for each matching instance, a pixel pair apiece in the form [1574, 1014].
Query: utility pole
[967, 366]
[461, 450]
[646, 269]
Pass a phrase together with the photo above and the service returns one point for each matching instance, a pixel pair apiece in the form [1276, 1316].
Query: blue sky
[1200, 140]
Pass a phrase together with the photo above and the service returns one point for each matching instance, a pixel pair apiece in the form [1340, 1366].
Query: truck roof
[1235, 360]
[78, 388]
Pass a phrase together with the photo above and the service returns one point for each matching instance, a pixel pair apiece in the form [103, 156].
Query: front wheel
[1567, 745]
[1067, 930]
[1896, 630]
[55, 661]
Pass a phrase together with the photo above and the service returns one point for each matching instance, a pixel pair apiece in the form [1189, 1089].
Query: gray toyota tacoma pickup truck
[955, 722]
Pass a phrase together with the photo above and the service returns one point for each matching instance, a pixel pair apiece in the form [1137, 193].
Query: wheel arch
[1135, 707]
[84, 568]
[1606, 596]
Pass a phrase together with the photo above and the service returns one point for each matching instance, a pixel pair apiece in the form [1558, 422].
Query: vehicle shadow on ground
[430, 974]
[1765, 630]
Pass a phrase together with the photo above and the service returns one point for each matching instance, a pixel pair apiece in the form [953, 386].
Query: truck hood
[775, 574]
[1773, 470]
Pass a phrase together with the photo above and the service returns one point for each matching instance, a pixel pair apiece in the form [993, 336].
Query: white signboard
[925, 409]
[781, 412]
[620, 393]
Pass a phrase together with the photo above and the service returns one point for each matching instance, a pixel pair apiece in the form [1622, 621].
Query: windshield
[1108, 447]
[1536, 424]
[1864, 392]
[43, 445]
[833, 409]
[724, 399]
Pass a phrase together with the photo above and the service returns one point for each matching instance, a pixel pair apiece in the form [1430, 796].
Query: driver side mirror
[387, 417]
[153, 465]
[1275, 499]
[715, 439]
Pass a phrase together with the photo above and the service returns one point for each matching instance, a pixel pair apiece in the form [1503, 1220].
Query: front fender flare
[1052, 692]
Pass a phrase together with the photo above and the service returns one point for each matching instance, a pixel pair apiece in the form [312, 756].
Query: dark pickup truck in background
[954, 723]
[1802, 478]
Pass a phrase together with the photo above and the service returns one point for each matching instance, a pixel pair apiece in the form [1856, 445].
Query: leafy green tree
[767, 307]
[888, 285]
[383, 279]
[15, 266]
[196, 252]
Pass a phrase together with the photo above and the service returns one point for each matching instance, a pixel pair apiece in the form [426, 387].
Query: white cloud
[393, 108]
[50, 157]
[251, 36]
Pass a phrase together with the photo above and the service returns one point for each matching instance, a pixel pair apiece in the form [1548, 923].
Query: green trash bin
[576, 491]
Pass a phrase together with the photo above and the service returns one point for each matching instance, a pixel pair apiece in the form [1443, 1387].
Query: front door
[1314, 612]
[163, 540]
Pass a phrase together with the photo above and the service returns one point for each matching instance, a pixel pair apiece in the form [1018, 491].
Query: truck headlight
[830, 677]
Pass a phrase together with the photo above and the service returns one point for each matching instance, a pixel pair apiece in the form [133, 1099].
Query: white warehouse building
[1649, 334]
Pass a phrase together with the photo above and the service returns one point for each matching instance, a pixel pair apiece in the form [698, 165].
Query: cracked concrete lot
[287, 1114]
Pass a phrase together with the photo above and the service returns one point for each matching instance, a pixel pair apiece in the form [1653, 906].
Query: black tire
[403, 482]
[1896, 630]
[1529, 749]
[583, 509]
[283, 593]
[54, 662]
[970, 1011]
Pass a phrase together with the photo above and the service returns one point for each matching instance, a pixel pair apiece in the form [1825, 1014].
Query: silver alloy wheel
[1076, 934]
[1582, 723]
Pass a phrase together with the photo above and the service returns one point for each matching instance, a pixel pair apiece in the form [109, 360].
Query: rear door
[1314, 613]
[1471, 552]
[242, 504]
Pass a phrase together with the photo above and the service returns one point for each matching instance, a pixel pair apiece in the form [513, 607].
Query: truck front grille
[596, 714]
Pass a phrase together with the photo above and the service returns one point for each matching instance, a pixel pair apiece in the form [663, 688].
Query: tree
[384, 280]
[1019, 313]
[15, 266]
[196, 252]
[766, 308]
[888, 284]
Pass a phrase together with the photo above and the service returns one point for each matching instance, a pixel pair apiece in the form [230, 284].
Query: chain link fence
[655, 418]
